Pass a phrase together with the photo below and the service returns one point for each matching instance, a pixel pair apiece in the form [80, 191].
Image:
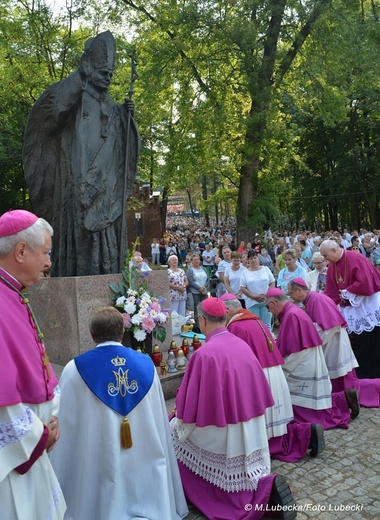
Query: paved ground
[343, 483]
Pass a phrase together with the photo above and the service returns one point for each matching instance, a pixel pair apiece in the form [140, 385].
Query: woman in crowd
[233, 274]
[199, 282]
[177, 286]
[316, 279]
[155, 251]
[280, 262]
[255, 283]
[162, 248]
[171, 249]
[368, 247]
[291, 270]
[265, 259]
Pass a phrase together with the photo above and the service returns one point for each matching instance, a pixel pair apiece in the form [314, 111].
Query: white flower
[143, 312]
[144, 304]
[136, 319]
[130, 308]
[139, 335]
[131, 292]
[145, 296]
[153, 313]
[120, 301]
[161, 317]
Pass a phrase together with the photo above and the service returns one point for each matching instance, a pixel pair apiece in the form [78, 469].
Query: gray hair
[233, 304]
[318, 256]
[33, 236]
[171, 257]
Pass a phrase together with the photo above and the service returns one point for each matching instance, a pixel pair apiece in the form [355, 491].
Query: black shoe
[352, 397]
[281, 499]
[317, 440]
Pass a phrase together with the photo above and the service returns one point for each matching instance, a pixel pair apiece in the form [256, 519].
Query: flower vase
[146, 346]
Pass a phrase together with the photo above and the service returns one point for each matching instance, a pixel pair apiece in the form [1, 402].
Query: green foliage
[275, 104]
[35, 51]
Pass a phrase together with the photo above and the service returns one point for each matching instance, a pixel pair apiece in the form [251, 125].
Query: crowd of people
[91, 446]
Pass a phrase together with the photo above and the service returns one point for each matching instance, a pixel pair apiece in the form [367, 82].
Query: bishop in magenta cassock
[331, 326]
[306, 370]
[353, 282]
[219, 430]
[29, 393]
[288, 441]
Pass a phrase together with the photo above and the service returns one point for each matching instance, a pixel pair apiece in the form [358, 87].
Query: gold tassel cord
[126, 435]
[269, 342]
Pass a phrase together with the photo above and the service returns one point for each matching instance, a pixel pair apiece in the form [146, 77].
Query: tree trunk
[216, 203]
[190, 203]
[164, 208]
[205, 197]
[246, 228]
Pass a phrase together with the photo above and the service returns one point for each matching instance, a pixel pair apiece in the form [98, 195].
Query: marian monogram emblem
[122, 385]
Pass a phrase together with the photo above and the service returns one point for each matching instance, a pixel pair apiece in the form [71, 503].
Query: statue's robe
[75, 154]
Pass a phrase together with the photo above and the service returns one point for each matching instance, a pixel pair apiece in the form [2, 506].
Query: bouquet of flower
[143, 313]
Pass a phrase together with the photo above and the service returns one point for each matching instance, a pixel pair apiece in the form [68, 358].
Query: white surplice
[308, 378]
[36, 495]
[100, 479]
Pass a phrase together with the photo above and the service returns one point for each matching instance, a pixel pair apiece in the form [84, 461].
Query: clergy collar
[11, 279]
[216, 332]
[307, 297]
[285, 307]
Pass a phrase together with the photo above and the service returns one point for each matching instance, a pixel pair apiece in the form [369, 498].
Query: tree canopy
[267, 109]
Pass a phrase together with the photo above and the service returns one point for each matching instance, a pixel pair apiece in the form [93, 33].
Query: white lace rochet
[232, 468]
[363, 315]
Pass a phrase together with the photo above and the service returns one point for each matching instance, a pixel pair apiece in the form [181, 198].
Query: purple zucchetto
[16, 220]
[300, 281]
[227, 296]
[214, 307]
[275, 291]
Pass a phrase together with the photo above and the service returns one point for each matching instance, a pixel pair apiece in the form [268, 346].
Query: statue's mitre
[101, 51]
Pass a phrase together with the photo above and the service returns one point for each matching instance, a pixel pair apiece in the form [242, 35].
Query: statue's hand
[129, 105]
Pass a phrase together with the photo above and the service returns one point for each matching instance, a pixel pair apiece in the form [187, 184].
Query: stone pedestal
[62, 307]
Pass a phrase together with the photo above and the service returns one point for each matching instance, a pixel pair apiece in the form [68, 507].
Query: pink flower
[126, 319]
[155, 306]
[148, 324]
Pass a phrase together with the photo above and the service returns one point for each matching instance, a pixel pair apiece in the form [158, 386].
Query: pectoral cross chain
[46, 362]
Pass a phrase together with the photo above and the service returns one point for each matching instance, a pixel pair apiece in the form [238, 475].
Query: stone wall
[62, 307]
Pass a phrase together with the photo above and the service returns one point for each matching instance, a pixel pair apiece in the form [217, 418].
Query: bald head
[331, 251]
